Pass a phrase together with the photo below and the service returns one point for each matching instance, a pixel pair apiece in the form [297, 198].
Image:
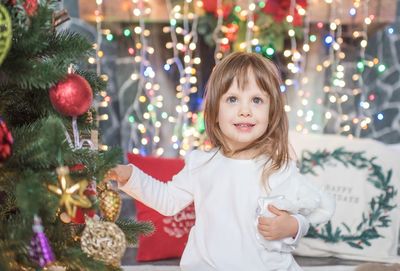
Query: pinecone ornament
[110, 202]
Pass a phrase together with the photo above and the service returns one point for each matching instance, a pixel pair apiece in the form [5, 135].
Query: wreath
[377, 217]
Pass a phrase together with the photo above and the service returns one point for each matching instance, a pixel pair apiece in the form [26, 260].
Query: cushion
[171, 232]
[363, 176]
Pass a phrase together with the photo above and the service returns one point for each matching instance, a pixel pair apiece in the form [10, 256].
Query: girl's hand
[120, 173]
[279, 227]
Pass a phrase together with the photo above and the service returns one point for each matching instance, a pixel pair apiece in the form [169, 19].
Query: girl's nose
[244, 110]
[245, 114]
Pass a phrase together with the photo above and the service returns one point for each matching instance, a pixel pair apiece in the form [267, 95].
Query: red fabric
[171, 232]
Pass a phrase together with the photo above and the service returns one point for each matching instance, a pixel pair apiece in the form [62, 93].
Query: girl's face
[243, 114]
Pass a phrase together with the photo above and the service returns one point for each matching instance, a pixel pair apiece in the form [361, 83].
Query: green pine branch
[75, 259]
[8, 250]
[32, 33]
[8, 202]
[48, 65]
[95, 82]
[133, 229]
[68, 45]
[96, 163]
[23, 106]
[41, 72]
[40, 145]
[32, 196]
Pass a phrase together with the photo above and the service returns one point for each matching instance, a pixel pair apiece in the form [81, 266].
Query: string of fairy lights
[302, 80]
[216, 33]
[247, 14]
[184, 48]
[296, 65]
[97, 61]
[338, 91]
[148, 102]
[364, 117]
[250, 42]
[313, 110]
[334, 88]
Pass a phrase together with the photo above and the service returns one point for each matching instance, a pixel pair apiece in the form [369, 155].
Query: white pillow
[363, 176]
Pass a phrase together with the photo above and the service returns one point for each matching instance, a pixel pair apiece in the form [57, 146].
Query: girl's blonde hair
[237, 66]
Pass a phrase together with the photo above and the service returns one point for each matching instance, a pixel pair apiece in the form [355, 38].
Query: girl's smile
[244, 127]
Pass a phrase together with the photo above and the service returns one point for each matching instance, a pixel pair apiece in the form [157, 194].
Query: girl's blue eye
[257, 100]
[231, 99]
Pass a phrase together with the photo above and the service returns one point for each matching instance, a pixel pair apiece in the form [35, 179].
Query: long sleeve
[304, 225]
[302, 196]
[166, 198]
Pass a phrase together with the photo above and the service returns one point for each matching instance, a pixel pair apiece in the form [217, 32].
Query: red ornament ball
[6, 141]
[72, 96]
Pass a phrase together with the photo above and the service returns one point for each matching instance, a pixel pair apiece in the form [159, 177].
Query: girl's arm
[166, 198]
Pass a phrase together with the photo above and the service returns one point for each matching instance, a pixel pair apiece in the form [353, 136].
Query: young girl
[247, 125]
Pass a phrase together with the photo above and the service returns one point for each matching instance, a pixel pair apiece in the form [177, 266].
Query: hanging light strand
[217, 31]
[99, 54]
[308, 120]
[190, 38]
[187, 73]
[146, 125]
[336, 86]
[249, 25]
[294, 64]
[363, 112]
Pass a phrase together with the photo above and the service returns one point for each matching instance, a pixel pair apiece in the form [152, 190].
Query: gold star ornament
[71, 194]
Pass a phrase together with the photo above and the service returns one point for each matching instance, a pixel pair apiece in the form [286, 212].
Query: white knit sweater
[225, 192]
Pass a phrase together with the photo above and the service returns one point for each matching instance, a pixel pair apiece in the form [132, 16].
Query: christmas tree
[50, 167]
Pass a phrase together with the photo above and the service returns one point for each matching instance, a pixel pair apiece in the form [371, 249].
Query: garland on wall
[379, 206]
[270, 24]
